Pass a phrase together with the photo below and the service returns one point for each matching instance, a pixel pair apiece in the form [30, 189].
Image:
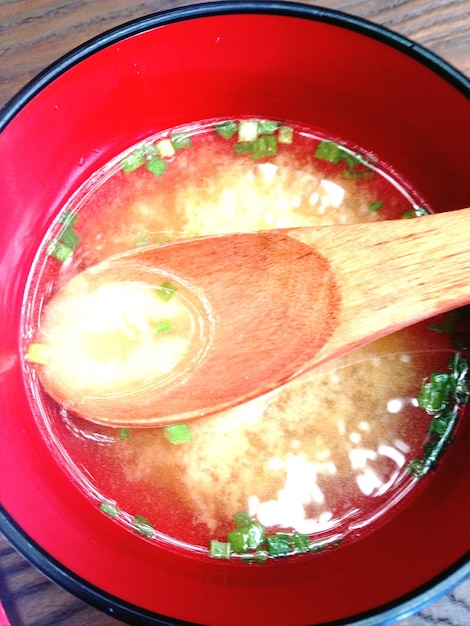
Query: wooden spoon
[279, 303]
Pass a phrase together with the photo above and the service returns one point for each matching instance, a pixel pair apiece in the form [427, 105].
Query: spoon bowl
[269, 306]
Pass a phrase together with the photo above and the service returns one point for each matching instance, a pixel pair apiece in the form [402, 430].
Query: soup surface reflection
[315, 462]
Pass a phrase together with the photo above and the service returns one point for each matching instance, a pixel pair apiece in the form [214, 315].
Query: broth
[322, 458]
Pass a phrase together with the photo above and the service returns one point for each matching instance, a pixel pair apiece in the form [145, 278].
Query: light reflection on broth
[323, 456]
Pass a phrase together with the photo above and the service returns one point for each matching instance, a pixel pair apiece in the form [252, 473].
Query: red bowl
[277, 60]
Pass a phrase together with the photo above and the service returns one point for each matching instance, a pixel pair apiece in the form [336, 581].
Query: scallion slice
[69, 237]
[143, 526]
[264, 146]
[109, 509]
[267, 127]
[246, 538]
[181, 141]
[442, 397]
[300, 542]
[329, 151]
[68, 219]
[243, 147]
[333, 153]
[219, 549]
[58, 250]
[357, 174]
[166, 291]
[375, 206]
[163, 327]
[243, 518]
[435, 395]
[351, 159]
[227, 130]
[156, 165]
[278, 545]
[124, 434]
[250, 541]
[134, 160]
[177, 433]
[143, 241]
[416, 212]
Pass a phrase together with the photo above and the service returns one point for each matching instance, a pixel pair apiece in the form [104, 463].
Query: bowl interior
[293, 65]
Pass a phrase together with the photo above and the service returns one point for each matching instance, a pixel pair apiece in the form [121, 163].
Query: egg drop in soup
[319, 461]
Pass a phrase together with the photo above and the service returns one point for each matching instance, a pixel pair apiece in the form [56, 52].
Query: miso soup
[318, 461]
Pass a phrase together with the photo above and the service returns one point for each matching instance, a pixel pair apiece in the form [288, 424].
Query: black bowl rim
[205, 9]
[53, 569]
[137, 616]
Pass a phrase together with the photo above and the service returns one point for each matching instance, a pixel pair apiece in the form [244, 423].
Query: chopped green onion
[143, 526]
[109, 509]
[142, 241]
[329, 151]
[249, 540]
[357, 174]
[219, 549]
[58, 250]
[68, 219]
[124, 434]
[442, 397]
[166, 291]
[261, 556]
[333, 153]
[134, 160]
[150, 150]
[181, 141]
[285, 134]
[267, 127]
[318, 546]
[165, 326]
[243, 518]
[351, 159]
[246, 538]
[375, 206]
[264, 145]
[438, 426]
[69, 237]
[244, 147]
[177, 433]
[278, 545]
[416, 212]
[226, 129]
[300, 542]
[435, 395]
[156, 165]
[247, 130]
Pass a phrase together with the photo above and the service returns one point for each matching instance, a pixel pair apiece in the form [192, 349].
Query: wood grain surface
[33, 34]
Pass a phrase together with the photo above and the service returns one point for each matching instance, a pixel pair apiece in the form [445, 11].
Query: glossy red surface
[274, 66]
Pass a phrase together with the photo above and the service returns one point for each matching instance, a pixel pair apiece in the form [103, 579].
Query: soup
[318, 461]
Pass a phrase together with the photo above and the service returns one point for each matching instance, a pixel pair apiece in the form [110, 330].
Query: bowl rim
[225, 7]
[113, 606]
[401, 607]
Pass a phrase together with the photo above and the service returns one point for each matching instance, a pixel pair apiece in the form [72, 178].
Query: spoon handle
[394, 273]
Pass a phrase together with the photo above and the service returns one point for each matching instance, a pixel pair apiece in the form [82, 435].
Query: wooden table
[33, 33]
